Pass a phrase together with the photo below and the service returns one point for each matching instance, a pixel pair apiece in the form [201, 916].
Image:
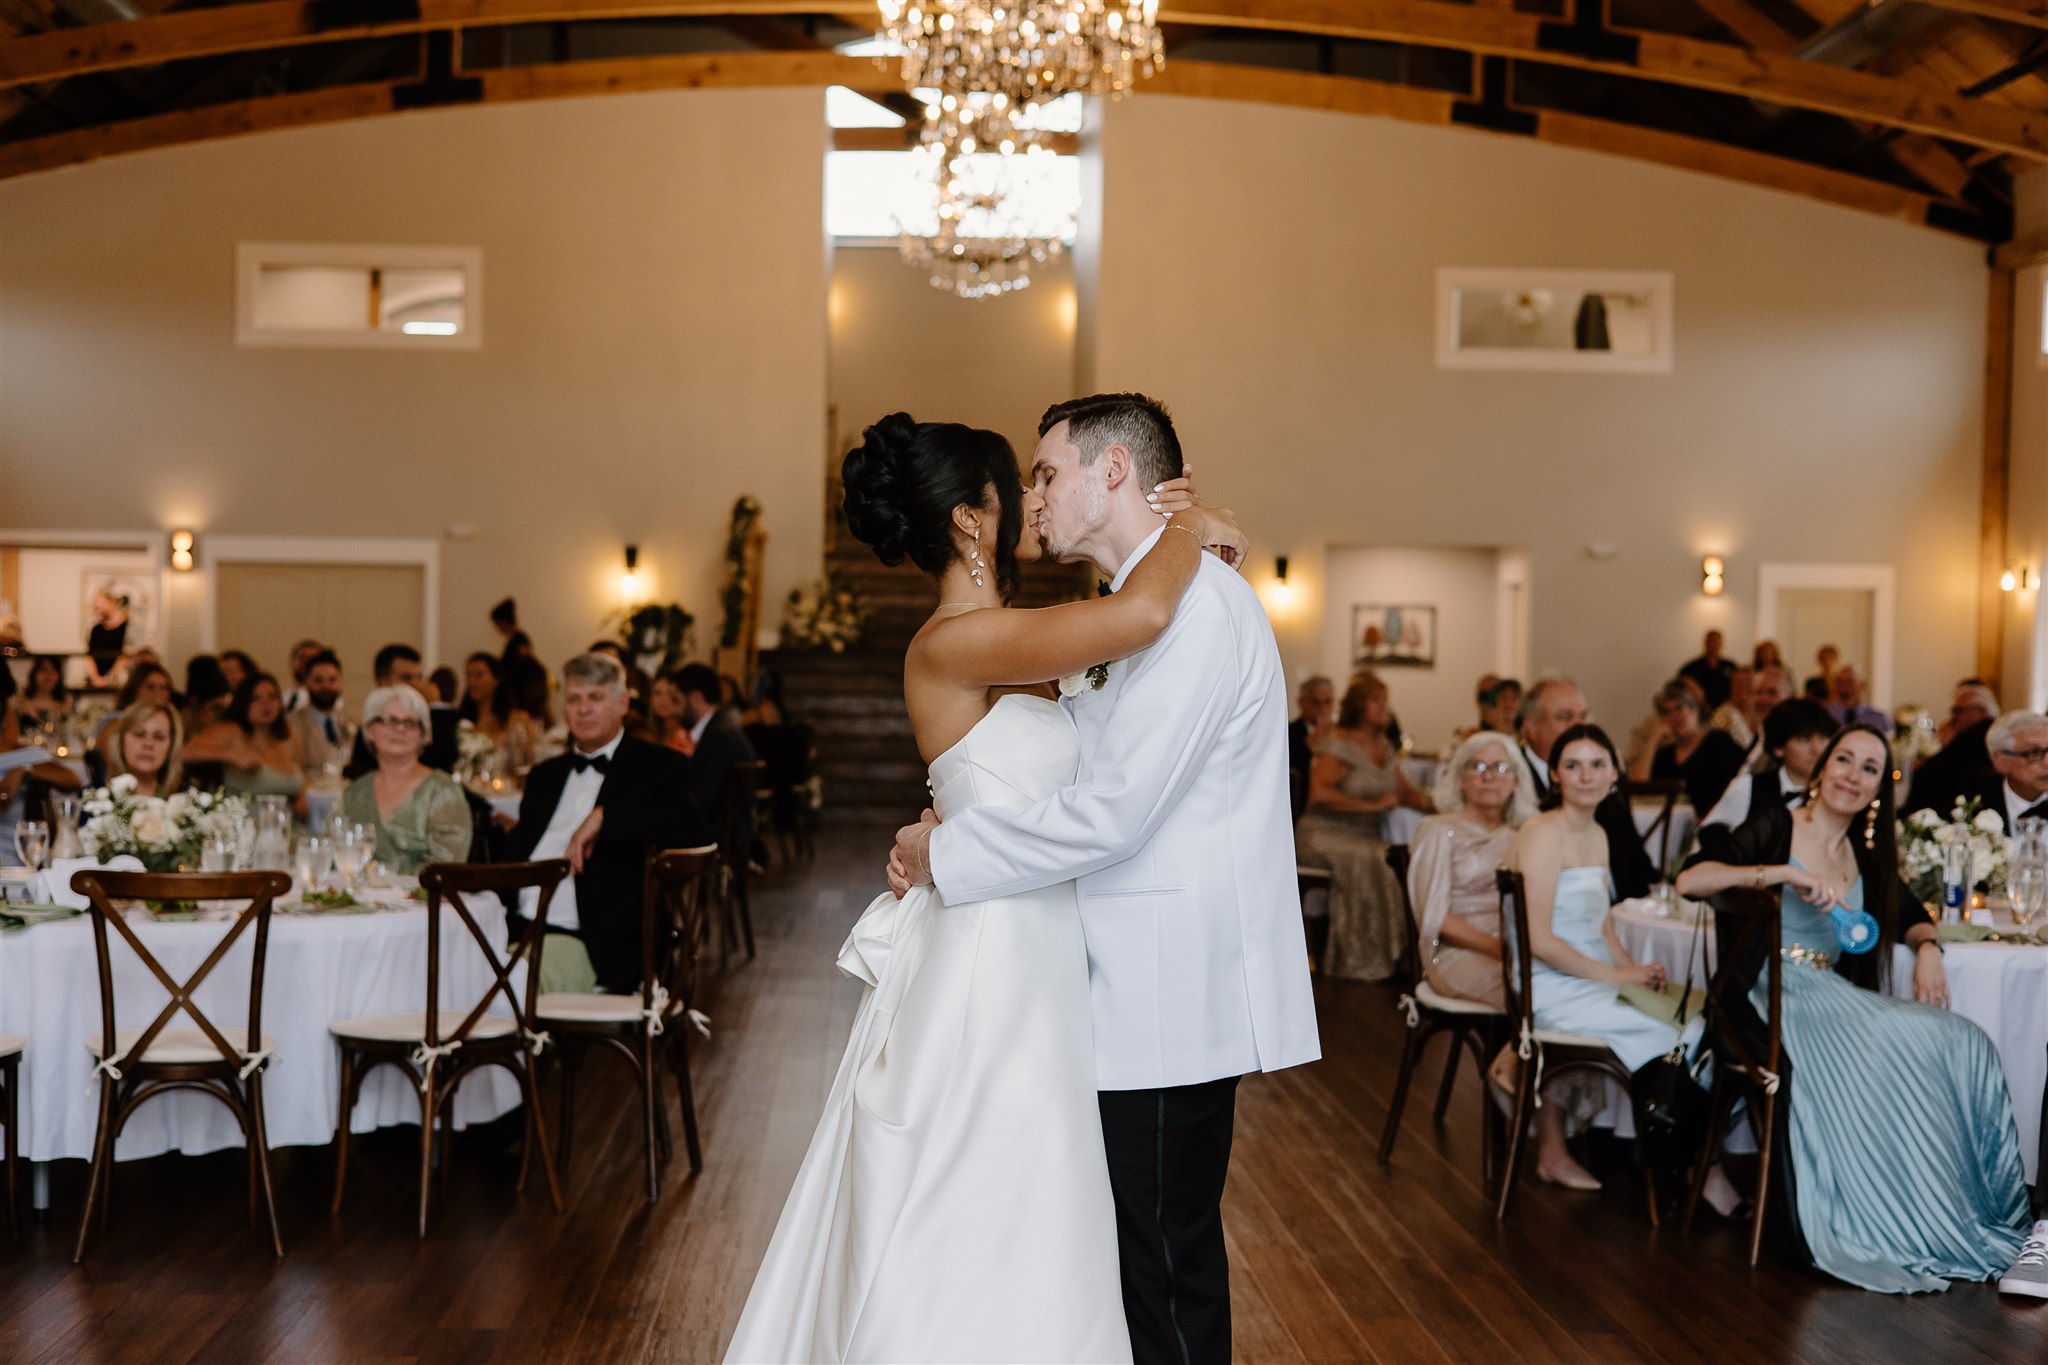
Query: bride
[954, 1204]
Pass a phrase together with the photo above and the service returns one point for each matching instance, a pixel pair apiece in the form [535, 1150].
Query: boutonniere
[1093, 678]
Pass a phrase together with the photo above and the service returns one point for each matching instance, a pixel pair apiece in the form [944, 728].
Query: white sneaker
[2029, 1274]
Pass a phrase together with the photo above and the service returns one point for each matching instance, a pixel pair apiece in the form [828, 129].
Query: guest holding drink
[420, 815]
[1483, 794]
[1579, 962]
[144, 743]
[1684, 750]
[254, 745]
[1900, 1160]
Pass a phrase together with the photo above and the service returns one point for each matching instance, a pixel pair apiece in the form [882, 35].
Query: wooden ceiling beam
[1486, 30]
[2032, 13]
[1206, 80]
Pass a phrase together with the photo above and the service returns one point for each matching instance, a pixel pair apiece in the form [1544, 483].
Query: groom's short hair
[1139, 424]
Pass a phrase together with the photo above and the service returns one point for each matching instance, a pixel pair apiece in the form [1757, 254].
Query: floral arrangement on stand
[827, 614]
[656, 638]
[168, 833]
[1915, 737]
[474, 751]
[1924, 836]
[732, 592]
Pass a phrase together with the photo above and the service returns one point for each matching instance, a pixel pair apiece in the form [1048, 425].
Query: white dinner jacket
[1179, 835]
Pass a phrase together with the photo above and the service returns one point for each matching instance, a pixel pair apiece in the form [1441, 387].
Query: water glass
[32, 842]
[2028, 891]
[310, 862]
[353, 845]
[218, 854]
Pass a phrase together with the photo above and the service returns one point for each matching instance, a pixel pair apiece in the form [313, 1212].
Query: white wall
[654, 283]
[1269, 273]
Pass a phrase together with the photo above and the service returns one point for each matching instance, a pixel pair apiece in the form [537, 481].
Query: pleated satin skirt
[1905, 1154]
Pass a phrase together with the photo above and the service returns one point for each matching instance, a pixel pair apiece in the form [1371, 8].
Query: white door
[354, 609]
[1809, 618]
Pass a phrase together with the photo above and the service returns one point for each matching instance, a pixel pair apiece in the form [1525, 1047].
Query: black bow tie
[2037, 811]
[583, 763]
[1795, 796]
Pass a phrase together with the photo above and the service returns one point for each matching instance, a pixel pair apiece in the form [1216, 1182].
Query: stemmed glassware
[310, 862]
[353, 845]
[2028, 891]
[32, 842]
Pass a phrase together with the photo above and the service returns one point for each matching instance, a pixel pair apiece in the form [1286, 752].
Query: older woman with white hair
[1483, 794]
[420, 815]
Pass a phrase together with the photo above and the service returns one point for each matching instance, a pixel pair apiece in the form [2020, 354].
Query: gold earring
[1870, 827]
[975, 572]
[1812, 796]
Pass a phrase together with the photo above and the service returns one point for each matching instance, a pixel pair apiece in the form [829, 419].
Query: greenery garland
[733, 596]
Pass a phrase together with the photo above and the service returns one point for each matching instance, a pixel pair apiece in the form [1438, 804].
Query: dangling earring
[1870, 827]
[978, 566]
[1812, 795]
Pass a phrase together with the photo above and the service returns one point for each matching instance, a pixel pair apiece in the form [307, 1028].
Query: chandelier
[981, 246]
[1025, 50]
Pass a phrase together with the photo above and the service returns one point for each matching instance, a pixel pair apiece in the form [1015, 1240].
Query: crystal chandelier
[980, 246]
[1025, 50]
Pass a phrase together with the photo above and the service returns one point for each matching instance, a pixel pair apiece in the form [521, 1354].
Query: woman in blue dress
[1898, 1167]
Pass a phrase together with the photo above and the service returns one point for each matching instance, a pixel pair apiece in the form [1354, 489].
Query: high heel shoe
[1578, 1179]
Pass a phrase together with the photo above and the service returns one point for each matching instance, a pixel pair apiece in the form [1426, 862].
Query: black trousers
[1169, 1152]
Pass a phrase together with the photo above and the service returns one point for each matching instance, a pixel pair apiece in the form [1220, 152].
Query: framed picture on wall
[1393, 637]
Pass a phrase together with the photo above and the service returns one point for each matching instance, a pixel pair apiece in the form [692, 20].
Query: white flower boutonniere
[1091, 679]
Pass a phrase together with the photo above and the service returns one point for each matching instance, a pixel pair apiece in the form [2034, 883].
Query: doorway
[1849, 606]
[355, 597]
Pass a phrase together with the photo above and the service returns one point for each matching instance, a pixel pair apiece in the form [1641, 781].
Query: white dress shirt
[703, 724]
[2015, 806]
[579, 798]
[1733, 807]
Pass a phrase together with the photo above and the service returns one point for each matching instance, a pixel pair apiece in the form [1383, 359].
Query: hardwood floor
[1334, 1259]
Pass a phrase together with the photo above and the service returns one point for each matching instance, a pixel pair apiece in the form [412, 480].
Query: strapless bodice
[1578, 913]
[1018, 754]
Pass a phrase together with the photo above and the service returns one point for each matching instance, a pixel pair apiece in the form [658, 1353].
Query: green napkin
[1963, 933]
[23, 915]
[1663, 1005]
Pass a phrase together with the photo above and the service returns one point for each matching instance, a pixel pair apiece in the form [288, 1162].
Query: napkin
[53, 883]
[1663, 1005]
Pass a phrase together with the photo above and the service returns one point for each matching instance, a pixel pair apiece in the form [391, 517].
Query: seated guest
[318, 723]
[1710, 672]
[1769, 687]
[1686, 751]
[1355, 779]
[1972, 704]
[490, 706]
[237, 667]
[1499, 704]
[1821, 686]
[717, 740]
[207, 692]
[419, 813]
[442, 688]
[1483, 794]
[1768, 655]
[1315, 703]
[2018, 784]
[1551, 706]
[604, 806]
[301, 659]
[43, 701]
[1962, 767]
[1878, 1092]
[146, 682]
[398, 665]
[666, 724]
[637, 682]
[1845, 699]
[16, 797]
[1579, 962]
[254, 746]
[1738, 717]
[145, 743]
[528, 682]
[1795, 734]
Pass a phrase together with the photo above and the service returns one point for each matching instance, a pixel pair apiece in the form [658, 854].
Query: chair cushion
[593, 1007]
[411, 1026]
[1307, 872]
[1429, 997]
[1563, 1039]
[184, 1044]
[11, 1043]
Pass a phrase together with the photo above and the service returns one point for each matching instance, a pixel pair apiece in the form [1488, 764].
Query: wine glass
[32, 842]
[219, 853]
[2028, 893]
[353, 845]
[310, 861]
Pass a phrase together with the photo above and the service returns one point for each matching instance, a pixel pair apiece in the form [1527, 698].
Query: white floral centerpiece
[1924, 837]
[828, 614]
[166, 832]
[473, 751]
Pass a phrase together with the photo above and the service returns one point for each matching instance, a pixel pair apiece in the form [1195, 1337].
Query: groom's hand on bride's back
[910, 861]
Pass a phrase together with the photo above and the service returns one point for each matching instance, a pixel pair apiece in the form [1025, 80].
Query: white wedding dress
[954, 1204]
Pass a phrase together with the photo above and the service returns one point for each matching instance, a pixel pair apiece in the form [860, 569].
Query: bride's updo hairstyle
[905, 478]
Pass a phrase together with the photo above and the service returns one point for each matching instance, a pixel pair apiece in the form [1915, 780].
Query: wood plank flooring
[1334, 1258]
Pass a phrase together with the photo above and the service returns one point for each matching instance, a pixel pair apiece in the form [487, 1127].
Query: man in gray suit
[716, 738]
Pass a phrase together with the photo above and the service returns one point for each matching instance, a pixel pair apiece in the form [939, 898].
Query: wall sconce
[629, 581]
[2023, 578]
[183, 556]
[1713, 575]
[1283, 595]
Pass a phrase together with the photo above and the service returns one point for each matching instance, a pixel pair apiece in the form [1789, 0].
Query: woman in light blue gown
[1898, 1166]
[1580, 965]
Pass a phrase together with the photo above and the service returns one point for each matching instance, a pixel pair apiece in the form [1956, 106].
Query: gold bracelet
[1176, 526]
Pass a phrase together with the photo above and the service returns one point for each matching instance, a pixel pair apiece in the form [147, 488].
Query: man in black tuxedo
[604, 806]
[716, 738]
[1550, 707]
[399, 666]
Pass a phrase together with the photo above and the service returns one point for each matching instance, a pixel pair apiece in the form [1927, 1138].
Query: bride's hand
[1219, 531]
[1176, 495]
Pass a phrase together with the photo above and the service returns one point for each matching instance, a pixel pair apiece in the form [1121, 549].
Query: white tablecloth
[2002, 988]
[321, 969]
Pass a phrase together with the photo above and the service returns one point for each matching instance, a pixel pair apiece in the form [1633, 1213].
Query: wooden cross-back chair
[654, 1025]
[736, 833]
[438, 1046]
[1472, 1026]
[1545, 1053]
[1668, 791]
[1755, 1067]
[136, 1064]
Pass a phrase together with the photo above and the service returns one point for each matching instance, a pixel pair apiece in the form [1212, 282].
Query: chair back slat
[1668, 791]
[736, 810]
[1516, 964]
[1409, 968]
[1756, 916]
[680, 886]
[102, 888]
[456, 880]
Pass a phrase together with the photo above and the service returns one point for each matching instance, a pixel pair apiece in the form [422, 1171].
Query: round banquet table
[322, 968]
[2000, 987]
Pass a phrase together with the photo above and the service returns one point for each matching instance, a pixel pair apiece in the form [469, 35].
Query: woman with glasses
[1683, 749]
[1483, 794]
[420, 815]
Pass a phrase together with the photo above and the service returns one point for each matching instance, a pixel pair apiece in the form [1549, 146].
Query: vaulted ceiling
[1918, 109]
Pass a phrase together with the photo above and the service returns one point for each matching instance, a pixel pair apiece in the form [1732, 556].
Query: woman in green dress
[420, 815]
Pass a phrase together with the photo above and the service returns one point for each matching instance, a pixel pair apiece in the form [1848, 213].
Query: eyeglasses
[1480, 768]
[2026, 755]
[395, 722]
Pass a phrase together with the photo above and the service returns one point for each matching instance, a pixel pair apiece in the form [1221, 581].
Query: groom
[1178, 835]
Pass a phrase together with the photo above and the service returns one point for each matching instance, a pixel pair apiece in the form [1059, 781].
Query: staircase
[872, 772]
